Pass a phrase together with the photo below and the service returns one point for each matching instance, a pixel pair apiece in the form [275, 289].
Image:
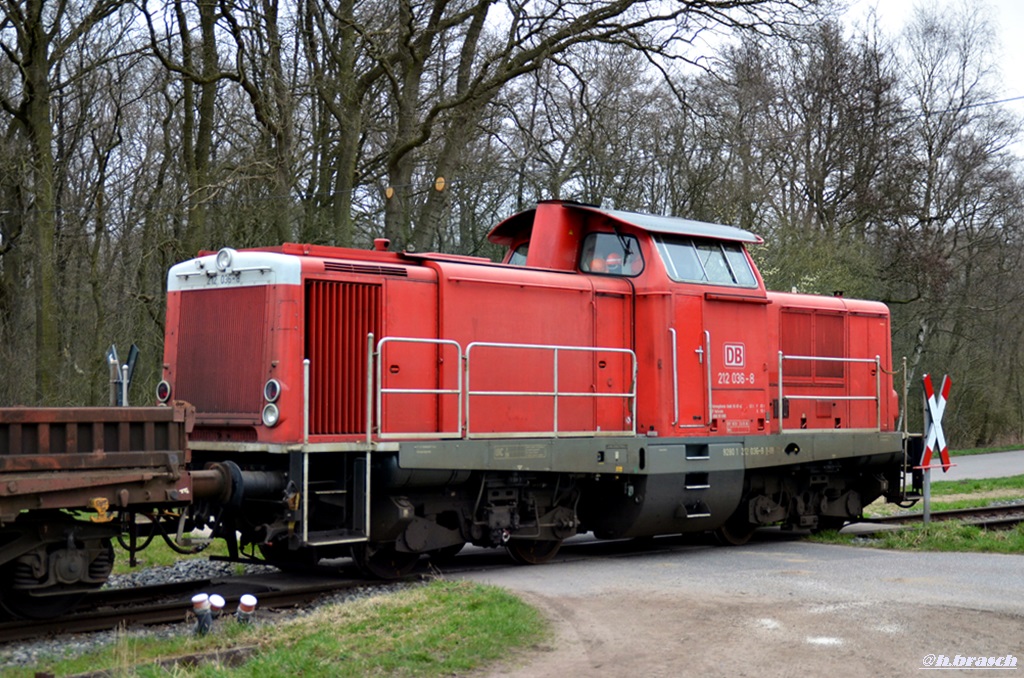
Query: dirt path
[622, 634]
[776, 607]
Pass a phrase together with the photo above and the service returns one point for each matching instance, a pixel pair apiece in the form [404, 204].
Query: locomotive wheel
[826, 523]
[446, 554]
[383, 561]
[533, 551]
[280, 556]
[736, 531]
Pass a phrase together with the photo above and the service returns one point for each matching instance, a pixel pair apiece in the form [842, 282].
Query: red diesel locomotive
[617, 373]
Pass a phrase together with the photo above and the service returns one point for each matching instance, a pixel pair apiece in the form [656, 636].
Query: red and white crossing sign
[935, 406]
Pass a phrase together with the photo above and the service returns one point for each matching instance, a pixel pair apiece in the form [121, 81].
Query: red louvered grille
[338, 318]
[797, 339]
[829, 342]
[813, 334]
[220, 346]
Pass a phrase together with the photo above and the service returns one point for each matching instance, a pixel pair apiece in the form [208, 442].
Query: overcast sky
[1007, 15]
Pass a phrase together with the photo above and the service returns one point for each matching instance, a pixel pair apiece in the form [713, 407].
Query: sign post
[935, 439]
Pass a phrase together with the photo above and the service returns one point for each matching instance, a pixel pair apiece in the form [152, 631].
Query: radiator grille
[339, 315]
[220, 344]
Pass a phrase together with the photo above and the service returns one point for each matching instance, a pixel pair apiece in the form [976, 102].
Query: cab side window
[611, 254]
[705, 261]
[518, 257]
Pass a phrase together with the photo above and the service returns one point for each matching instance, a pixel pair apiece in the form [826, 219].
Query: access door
[612, 370]
[689, 364]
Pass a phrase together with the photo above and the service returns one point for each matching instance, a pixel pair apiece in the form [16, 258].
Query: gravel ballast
[28, 653]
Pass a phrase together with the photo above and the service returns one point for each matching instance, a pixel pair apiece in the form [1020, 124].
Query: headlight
[271, 415]
[271, 390]
[224, 258]
[163, 392]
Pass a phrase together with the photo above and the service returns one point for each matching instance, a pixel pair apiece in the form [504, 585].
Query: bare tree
[39, 38]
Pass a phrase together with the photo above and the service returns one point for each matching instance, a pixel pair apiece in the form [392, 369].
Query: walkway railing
[465, 395]
[876, 361]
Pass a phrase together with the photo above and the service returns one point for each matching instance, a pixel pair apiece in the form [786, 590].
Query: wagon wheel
[532, 551]
[51, 602]
[383, 561]
[23, 605]
[736, 530]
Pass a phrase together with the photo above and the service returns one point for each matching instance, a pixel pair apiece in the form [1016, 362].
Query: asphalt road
[994, 465]
[779, 563]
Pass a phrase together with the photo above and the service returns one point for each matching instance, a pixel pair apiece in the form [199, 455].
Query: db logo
[735, 355]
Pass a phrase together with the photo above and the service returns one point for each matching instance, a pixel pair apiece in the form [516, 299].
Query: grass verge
[438, 629]
[977, 485]
[985, 450]
[957, 494]
[943, 536]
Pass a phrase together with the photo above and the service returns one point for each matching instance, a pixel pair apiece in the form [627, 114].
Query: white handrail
[675, 378]
[381, 391]
[377, 392]
[555, 393]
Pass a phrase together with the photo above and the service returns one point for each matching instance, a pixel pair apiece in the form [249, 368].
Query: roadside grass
[976, 485]
[942, 536]
[957, 494]
[439, 629]
[946, 535]
[985, 450]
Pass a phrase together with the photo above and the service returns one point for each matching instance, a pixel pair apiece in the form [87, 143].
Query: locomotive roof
[509, 229]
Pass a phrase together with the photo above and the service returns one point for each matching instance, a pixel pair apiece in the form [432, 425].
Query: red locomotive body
[619, 373]
[709, 348]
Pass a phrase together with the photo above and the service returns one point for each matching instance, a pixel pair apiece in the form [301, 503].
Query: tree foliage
[134, 134]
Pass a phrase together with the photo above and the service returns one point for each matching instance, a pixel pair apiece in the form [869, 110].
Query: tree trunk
[40, 132]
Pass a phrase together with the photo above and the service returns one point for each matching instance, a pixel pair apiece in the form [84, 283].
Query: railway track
[171, 603]
[1004, 517]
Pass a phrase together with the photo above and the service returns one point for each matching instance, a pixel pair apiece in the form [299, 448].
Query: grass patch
[159, 554]
[942, 536]
[957, 494]
[985, 450]
[976, 485]
[439, 629]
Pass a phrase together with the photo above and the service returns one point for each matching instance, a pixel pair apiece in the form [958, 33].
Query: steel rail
[170, 603]
[1006, 516]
